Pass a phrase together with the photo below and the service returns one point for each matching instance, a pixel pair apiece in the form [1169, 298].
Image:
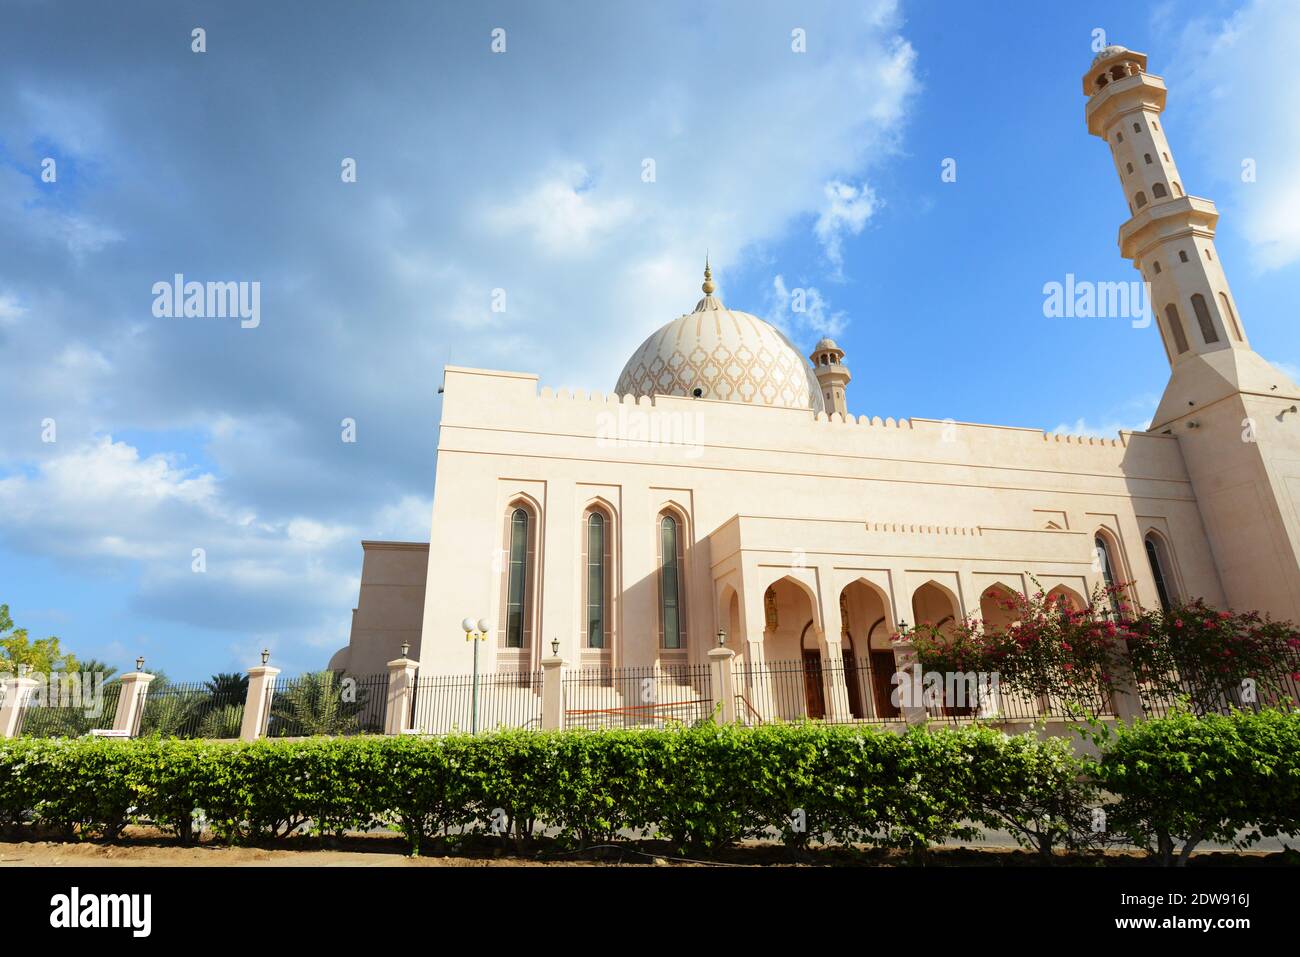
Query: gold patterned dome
[727, 355]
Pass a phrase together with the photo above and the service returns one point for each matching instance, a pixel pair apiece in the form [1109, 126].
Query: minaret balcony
[1167, 219]
[1123, 96]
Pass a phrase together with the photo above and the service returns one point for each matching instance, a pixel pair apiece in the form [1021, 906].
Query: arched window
[1106, 563]
[1140, 199]
[1155, 264]
[671, 611]
[1130, 168]
[596, 629]
[1159, 191]
[1119, 137]
[1147, 157]
[1232, 316]
[1137, 128]
[1158, 570]
[1203, 319]
[1178, 190]
[1182, 255]
[1176, 327]
[517, 620]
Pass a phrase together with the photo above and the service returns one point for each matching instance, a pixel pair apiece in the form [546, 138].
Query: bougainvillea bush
[1208, 659]
[1191, 657]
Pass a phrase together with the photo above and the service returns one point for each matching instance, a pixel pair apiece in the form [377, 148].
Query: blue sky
[522, 171]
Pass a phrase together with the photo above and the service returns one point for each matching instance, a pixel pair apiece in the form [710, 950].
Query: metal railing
[325, 702]
[50, 716]
[193, 710]
[642, 697]
[445, 703]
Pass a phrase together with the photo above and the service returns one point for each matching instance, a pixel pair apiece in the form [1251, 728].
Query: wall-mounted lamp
[722, 637]
[555, 647]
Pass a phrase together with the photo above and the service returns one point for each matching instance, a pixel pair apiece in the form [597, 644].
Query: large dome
[727, 355]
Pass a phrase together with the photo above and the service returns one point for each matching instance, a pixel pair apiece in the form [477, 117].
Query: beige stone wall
[390, 609]
[771, 493]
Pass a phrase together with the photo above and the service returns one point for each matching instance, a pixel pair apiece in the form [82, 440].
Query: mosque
[723, 492]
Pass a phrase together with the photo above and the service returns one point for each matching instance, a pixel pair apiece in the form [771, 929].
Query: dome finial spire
[708, 286]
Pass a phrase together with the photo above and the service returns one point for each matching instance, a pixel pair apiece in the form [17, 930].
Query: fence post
[911, 699]
[401, 688]
[552, 693]
[17, 693]
[1127, 698]
[130, 702]
[723, 680]
[257, 706]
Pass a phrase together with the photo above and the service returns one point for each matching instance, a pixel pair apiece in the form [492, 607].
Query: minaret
[828, 363]
[1227, 406]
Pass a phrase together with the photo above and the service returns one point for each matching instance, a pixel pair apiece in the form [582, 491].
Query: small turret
[832, 375]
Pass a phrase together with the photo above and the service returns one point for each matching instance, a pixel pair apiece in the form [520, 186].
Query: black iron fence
[447, 703]
[1278, 689]
[69, 712]
[193, 710]
[871, 690]
[325, 702]
[637, 697]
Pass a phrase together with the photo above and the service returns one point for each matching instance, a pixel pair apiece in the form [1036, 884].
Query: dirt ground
[145, 847]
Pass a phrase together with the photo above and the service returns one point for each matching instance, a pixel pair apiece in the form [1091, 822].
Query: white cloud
[1243, 74]
[561, 214]
[845, 212]
[802, 312]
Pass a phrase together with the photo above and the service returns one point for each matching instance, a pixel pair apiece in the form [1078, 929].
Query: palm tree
[315, 704]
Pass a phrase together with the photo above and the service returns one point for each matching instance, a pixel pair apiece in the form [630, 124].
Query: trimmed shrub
[1171, 783]
[1183, 780]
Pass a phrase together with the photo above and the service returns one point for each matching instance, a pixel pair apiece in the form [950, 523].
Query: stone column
[257, 706]
[723, 680]
[401, 692]
[130, 704]
[553, 693]
[1127, 697]
[834, 682]
[911, 703]
[17, 692]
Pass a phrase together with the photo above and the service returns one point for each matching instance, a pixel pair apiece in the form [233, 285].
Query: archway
[792, 669]
[867, 650]
[998, 607]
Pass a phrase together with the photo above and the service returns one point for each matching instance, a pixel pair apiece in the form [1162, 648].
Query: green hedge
[701, 788]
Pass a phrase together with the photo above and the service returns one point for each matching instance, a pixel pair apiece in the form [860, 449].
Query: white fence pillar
[723, 679]
[911, 700]
[401, 692]
[130, 703]
[552, 693]
[257, 706]
[17, 692]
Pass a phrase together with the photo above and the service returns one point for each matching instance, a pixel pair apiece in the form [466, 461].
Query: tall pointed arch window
[1158, 557]
[1203, 319]
[1176, 327]
[518, 624]
[672, 619]
[598, 535]
[1106, 561]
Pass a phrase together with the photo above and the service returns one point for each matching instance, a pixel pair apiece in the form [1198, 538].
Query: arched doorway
[935, 606]
[792, 652]
[868, 652]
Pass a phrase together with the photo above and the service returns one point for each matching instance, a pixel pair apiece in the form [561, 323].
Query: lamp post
[475, 631]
